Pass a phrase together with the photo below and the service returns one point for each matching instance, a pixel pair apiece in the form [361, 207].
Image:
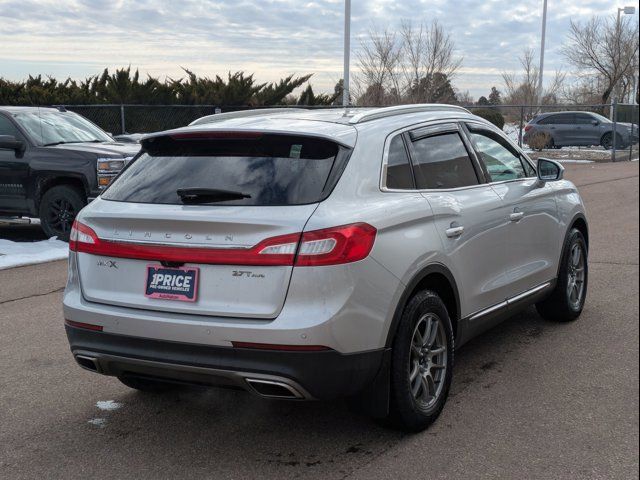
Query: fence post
[122, 124]
[614, 118]
[521, 126]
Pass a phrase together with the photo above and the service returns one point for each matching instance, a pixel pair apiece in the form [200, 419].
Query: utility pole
[541, 70]
[347, 52]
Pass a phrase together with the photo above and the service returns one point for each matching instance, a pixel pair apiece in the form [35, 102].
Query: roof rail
[402, 110]
[219, 117]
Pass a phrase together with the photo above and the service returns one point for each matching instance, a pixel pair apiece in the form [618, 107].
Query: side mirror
[9, 142]
[549, 170]
[595, 123]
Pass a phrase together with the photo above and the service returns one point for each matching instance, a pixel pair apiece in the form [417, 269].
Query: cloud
[269, 37]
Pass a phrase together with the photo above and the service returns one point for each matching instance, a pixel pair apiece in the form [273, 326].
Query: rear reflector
[86, 326]
[330, 246]
[282, 348]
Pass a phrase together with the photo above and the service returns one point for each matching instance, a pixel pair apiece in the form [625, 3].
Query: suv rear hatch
[226, 207]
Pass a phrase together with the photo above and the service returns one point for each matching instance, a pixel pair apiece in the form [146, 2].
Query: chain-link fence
[118, 119]
[624, 146]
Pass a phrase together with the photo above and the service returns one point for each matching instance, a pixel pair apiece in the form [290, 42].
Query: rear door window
[399, 175]
[266, 169]
[584, 119]
[442, 161]
[559, 119]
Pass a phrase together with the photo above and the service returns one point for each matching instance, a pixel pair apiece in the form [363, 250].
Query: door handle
[454, 232]
[516, 216]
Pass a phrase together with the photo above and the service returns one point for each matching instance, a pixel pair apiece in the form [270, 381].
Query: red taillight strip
[211, 256]
[86, 326]
[343, 244]
[282, 348]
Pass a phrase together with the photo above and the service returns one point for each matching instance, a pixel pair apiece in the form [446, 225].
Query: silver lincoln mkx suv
[321, 254]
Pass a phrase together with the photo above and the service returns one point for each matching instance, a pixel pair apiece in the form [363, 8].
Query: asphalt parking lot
[530, 399]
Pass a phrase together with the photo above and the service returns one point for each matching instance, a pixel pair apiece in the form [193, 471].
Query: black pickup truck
[52, 162]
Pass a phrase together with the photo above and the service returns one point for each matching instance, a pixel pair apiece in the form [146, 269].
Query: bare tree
[414, 66]
[522, 88]
[465, 98]
[605, 48]
[428, 53]
[378, 60]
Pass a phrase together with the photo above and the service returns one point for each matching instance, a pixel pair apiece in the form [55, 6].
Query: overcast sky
[270, 38]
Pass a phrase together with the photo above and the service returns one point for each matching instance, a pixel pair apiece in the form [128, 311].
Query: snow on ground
[512, 131]
[15, 254]
[574, 161]
[108, 405]
[98, 422]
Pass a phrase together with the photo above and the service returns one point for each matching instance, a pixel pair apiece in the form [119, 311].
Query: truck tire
[58, 209]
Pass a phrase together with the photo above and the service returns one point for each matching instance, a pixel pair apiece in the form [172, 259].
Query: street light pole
[626, 11]
[544, 33]
[347, 53]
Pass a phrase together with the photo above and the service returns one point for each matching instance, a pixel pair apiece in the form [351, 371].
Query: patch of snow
[98, 422]
[574, 161]
[108, 405]
[512, 131]
[15, 254]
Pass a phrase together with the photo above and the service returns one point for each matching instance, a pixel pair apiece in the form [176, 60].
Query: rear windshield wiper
[74, 141]
[208, 195]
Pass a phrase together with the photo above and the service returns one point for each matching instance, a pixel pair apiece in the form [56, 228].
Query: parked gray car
[564, 129]
[313, 255]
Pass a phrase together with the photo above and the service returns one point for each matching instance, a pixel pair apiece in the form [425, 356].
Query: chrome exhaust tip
[88, 363]
[273, 389]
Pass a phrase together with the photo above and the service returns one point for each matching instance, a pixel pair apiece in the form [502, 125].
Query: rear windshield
[266, 169]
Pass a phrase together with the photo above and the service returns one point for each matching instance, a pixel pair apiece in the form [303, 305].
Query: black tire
[551, 144]
[559, 307]
[607, 142]
[148, 385]
[58, 209]
[405, 410]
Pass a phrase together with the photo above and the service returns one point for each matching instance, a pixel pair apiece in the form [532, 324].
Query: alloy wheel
[61, 215]
[428, 360]
[577, 274]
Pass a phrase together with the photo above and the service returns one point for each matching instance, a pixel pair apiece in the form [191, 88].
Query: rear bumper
[319, 375]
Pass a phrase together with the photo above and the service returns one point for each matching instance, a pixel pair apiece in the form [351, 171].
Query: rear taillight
[81, 237]
[528, 127]
[337, 245]
[330, 246]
